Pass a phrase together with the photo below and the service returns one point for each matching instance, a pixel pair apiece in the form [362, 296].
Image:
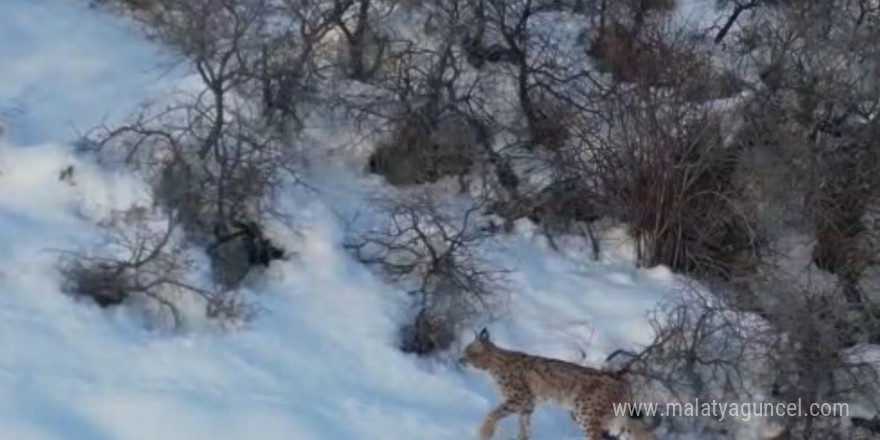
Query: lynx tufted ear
[484, 334]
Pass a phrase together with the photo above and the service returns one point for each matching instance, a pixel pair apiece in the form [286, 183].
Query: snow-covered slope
[67, 67]
[319, 363]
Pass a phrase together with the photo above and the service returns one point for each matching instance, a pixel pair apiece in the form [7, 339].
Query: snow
[698, 15]
[319, 362]
[67, 67]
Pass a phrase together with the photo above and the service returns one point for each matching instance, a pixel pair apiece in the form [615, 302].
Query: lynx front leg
[525, 425]
[487, 430]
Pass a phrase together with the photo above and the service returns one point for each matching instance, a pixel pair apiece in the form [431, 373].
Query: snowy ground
[318, 364]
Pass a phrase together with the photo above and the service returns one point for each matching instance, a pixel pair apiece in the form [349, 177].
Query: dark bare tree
[436, 256]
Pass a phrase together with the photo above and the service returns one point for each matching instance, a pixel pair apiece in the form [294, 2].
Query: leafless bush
[667, 172]
[604, 138]
[426, 334]
[550, 121]
[435, 255]
[840, 201]
[209, 175]
[479, 49]
[214, 157]
[273, 52]
[820, 355]
[210, 155]
[418, 151]
[798, 347]
[654, 56]
[143, 263]
[427, 108]
[365, 44]
[211, 159]
[562, 207]
[552, 85]
[813, 119]
[702, 349]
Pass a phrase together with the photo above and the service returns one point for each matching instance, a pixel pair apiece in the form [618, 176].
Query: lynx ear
[484, 334]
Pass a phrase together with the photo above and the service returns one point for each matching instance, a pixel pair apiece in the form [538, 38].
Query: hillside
[130, 137]
[319, 363]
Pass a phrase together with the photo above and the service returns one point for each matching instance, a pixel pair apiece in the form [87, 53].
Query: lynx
[524, 379]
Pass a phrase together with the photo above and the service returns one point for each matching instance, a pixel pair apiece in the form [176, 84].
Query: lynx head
[478, 353]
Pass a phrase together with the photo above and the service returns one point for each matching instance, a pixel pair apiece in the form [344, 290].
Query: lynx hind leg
[627, 428]
[591, 419]
[635, 429]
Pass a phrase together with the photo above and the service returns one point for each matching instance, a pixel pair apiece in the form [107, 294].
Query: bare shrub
[844, 244]
[434, 253]
[616, 52]
[562, 207]
[428, 110]
[650, 153]
[667, 171]
[808, 126]
[143, 263]
[702, 349]
[231, 183]
[630, 42]
[812, 120]
[237, 249]
[549, 121]
[654, 56]
[798, 347]
[820, 356]
[419, 150]
[551, 84]
[365, 43]
[426, 334]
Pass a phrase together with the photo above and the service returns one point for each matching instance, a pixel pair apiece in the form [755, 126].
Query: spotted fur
[524, 380]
